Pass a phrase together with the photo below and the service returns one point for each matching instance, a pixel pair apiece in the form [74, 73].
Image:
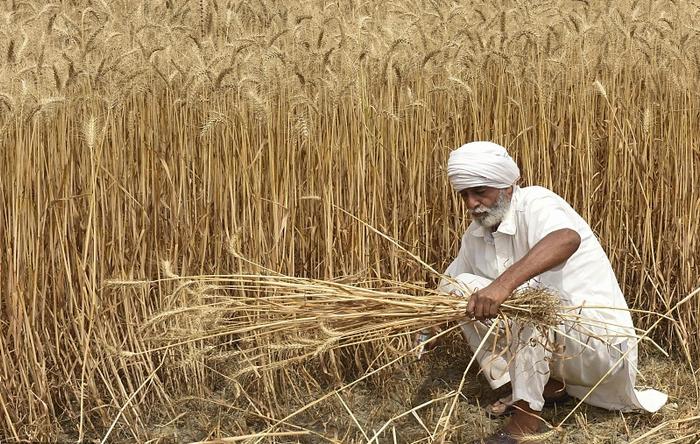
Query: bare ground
[366, 407]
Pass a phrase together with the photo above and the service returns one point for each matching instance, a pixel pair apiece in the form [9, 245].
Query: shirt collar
[507, 225]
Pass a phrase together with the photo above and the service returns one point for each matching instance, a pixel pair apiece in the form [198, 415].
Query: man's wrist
[506, 286]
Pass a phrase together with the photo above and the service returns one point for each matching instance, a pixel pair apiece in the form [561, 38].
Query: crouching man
[531, 236]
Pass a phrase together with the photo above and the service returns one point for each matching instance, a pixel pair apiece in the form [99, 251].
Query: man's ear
[509, 191]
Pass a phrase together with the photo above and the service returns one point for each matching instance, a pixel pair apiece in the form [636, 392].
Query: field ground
[373, 404]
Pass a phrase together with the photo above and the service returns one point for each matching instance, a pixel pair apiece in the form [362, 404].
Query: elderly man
[531, 237]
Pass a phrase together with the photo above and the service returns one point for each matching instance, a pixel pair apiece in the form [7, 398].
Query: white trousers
[527, 358]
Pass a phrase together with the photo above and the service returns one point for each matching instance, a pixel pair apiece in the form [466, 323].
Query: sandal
[504, 406]
[501, 408]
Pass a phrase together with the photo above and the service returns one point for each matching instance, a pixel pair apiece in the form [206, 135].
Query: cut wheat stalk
[309, 314]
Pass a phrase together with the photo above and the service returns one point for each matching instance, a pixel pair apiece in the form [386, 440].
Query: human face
[487, 205]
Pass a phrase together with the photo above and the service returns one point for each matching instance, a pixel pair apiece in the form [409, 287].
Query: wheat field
[156, 140]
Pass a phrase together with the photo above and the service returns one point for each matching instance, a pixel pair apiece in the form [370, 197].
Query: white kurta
[585, 280]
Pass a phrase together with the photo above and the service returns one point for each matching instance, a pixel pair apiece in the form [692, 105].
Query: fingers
[493, 310]
[477, 304]
[488, 310]
[476, 312]
[481, 308]
[475, 307]
[472, 303]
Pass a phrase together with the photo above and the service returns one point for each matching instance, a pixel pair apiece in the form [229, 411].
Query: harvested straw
[305, 317]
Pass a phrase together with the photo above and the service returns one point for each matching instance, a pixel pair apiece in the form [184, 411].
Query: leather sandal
[501, 408]
[504, 406]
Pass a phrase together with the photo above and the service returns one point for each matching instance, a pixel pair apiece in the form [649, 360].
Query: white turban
[479, 164]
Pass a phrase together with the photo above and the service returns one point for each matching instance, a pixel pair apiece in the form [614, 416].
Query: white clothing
[478, 164]
[586, 280]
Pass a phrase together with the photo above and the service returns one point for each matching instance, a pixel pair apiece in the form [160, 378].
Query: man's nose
[472, 202]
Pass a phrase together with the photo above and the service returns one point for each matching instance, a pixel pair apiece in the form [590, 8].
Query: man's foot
[554, 390]
[524, 423]
[554, 394]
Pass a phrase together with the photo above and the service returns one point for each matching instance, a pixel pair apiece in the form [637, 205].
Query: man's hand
[428, 343]
[484, 303]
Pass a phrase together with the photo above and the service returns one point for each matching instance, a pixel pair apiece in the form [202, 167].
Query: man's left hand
[485, 302]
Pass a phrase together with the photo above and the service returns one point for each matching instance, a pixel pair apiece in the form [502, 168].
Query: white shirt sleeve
[546, 215]
[459, 265]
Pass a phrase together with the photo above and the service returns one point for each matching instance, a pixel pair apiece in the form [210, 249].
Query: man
[531, 236]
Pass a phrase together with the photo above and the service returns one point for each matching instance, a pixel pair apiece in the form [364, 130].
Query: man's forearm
[552, 250]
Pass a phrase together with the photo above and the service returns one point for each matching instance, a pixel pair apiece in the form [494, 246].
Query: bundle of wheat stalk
[305, 317]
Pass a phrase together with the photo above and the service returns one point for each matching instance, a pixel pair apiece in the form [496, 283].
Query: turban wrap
[479, 164]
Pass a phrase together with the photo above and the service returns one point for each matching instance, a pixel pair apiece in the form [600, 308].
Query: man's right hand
[483, 304]
[428, 343]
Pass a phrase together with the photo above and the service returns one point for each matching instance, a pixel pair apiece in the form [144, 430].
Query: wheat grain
[267, 119]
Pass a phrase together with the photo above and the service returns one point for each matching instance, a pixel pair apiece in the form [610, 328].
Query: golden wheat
[167, 131]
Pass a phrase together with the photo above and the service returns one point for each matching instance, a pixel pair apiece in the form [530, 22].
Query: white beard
[490, 217]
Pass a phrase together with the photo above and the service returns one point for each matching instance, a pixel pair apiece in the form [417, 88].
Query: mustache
[479, 210]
